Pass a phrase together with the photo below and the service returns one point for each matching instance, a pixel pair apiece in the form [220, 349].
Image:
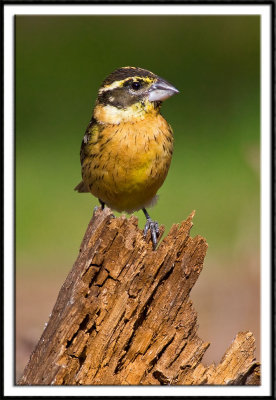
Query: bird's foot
[95, 209]
[102, 204]
[154, 230]
[100, 208]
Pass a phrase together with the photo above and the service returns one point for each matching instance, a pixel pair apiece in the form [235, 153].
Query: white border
[266, 84]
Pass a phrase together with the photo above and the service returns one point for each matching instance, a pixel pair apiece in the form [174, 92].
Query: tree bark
[123, 316]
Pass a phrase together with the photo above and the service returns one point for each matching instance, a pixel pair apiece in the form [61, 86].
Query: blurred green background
[215, 63]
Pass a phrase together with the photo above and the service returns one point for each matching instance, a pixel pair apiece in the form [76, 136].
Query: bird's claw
[95, 209]
[154, 230]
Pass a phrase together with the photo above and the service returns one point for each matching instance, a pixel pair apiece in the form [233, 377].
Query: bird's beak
[161, 90]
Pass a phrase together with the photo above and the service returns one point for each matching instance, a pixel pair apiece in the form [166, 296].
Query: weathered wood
[123, 316]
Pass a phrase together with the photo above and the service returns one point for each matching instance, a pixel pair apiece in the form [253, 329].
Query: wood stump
[123, 315]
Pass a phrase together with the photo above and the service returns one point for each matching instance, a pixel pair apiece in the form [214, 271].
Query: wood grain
[124, 317]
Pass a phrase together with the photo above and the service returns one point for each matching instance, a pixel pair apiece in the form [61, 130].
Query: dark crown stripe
[123, 73]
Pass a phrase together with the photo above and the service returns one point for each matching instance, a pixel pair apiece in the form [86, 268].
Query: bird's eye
[136, 85]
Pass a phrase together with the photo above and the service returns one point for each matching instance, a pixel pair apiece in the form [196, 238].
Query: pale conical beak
[161, 90]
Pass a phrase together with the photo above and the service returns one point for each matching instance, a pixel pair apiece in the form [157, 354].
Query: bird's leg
[96, 207]
[153, 227]
[102, 203]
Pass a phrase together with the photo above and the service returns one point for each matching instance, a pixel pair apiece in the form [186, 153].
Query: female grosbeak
[127, 147]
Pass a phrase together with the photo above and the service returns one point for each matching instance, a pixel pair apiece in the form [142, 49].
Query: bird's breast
[140, 152]
[131, 160]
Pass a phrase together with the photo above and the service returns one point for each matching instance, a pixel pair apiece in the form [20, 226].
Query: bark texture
[123, 316]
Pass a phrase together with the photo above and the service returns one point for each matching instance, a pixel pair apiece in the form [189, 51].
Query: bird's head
[131, 93]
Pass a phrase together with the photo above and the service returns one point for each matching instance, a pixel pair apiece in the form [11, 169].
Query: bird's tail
[81, 188]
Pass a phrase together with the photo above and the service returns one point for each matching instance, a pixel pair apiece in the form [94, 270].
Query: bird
[127, 148]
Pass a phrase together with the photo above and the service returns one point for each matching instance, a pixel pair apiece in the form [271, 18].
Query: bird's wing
[90, 138]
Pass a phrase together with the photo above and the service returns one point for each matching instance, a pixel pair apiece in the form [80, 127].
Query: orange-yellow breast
[128, 162]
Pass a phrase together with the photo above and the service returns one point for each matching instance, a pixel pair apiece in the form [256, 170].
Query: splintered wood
[123, 316]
